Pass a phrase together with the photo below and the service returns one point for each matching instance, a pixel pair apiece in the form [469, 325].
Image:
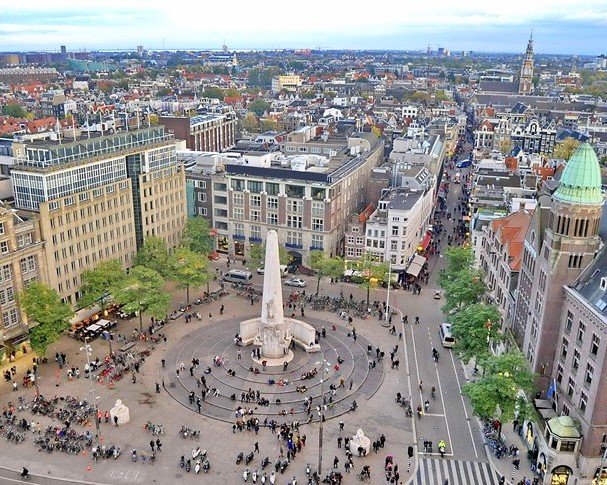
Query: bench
[127, 347]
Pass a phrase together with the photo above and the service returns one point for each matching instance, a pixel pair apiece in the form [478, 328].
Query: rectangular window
[220, 187]
[295, 191]
[569, 321]
[272, 202]
[576, 359]
[255, 201]
[594, 345]
[295, 221]
[4, 247]
[564, 346]
[583, 401]
[295, 238]
[255, 186]
[238, 229]
[395, 230]
[318, 225]
[256, 215]
[272, 188]
[6, 273]
[238, 199]
[393, 245]
[238, 213]
[589, 374]
[1, 228]
[317, 241]
[272, 218]
[238, 184]
[559, 373]
[580, 331]
[256, 232]
[570, 386]
[295, 205]
[202, 197]
[318, 209]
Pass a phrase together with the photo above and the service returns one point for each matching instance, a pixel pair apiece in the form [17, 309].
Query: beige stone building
[22, 261]
[98, 198]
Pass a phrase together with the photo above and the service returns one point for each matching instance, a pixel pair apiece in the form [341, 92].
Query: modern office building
[98, 198]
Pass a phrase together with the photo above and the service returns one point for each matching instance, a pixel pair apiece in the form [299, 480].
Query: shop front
[560, 475]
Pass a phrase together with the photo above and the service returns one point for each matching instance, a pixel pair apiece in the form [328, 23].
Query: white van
[284, 270]
[446, 337]
[238, 276]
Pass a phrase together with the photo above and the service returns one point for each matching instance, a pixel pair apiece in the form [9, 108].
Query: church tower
[525, 81]
[570, 242]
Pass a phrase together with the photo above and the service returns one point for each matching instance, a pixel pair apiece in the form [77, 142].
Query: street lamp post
[387, 313]
[87, 349]
[325, 369]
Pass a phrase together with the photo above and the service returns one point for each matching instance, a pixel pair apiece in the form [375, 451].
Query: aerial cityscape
[231, 258]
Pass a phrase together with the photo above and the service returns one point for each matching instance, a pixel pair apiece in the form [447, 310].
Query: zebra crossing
[434, 471]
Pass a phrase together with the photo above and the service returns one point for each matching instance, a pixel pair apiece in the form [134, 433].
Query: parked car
[295, 282]
[463, 163]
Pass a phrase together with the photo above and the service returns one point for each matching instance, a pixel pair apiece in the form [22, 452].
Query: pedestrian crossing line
[433, 471]
[435, 414]
[422, 454]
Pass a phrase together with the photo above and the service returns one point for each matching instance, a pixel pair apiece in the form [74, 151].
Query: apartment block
[307, 197]
[208, 132]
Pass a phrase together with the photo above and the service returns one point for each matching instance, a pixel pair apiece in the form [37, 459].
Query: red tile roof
[511, 231]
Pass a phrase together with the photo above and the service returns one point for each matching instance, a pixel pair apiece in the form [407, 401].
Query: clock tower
[525, 82]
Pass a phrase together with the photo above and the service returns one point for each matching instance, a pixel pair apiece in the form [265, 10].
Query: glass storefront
[223, 246]
[560, 475]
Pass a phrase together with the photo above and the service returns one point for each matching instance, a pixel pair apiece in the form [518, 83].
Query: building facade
[21, 262]
[206, 133]
[98, 198]
[308, 198]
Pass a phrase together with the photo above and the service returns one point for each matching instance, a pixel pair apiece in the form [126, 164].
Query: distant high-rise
[525, 82]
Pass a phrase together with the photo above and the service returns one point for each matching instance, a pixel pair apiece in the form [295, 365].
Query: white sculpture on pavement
[272, 331]
[121, 412]
[360, 440]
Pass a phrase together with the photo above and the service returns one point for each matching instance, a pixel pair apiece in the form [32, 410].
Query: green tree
[97, 284]
[14, 110]
[213, 92]
[373, 272]
[197, 236]
[232, 93]
[464, 288]
[499, 393]
[257, 255]
[154, 254]
[249, 123]
[43, 305]
[331, 267]
[268, 124]
[188, 269]
[473, 328]
[259, 106]
[142, 292]
[564, 149]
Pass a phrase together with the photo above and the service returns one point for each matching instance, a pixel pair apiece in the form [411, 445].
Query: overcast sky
[559, 26]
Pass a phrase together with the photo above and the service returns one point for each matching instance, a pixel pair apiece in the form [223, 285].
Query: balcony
[238, 237]
[256, 240]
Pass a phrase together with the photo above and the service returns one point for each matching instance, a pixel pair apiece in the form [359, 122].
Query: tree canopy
[97, 283]
[43, 305]
[474, 327]
[197, 236]
[496, 395]
[142, 292]
[373, 272]
[331, 267]
[188, 269]
[14, 110]
[259, 106]
[154, 254]
[564, 149]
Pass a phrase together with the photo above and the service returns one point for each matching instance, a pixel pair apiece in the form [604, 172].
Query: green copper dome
[581, 179]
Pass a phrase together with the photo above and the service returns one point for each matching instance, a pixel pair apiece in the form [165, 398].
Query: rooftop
[581, 180]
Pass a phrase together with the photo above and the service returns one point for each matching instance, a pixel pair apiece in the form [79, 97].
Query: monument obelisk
[273, 332]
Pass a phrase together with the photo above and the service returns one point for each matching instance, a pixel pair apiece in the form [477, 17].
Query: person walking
[152, 444]
[158, 444]
[335, 462]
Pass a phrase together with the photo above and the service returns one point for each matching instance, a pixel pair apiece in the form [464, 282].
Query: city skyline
[478, 26]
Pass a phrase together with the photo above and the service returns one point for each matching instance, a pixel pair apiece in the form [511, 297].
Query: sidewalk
[504, 465]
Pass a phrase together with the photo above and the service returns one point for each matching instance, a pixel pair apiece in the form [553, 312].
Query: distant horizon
[558, 27]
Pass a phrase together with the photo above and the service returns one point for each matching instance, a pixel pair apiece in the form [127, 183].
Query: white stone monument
[272, 331]
[121, 412]
[360, 440]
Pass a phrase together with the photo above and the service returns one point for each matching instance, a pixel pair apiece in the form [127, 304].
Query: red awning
[426, 241]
